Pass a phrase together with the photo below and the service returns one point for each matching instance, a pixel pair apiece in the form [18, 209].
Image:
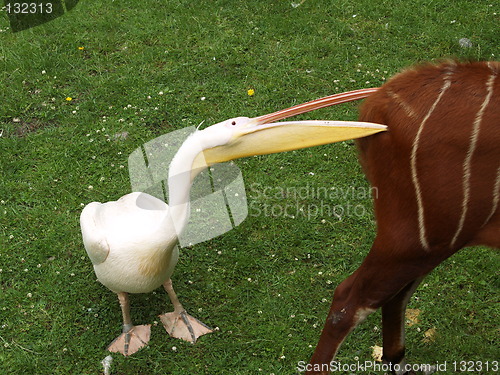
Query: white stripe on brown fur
[406, 107]
[414, 175]
[468, 159]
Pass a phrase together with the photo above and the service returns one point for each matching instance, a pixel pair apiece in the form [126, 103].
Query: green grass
[143, 69]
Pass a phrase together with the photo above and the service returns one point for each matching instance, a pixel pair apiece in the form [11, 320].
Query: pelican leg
[179, 323]
[133, 337]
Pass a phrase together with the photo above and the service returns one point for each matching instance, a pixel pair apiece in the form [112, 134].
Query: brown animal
[437, 175]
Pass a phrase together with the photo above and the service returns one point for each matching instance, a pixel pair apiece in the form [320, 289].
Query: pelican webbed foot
[131, 340]
[179, 323]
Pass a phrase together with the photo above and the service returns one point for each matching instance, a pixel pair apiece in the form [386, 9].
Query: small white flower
[174, 348]
[90, 187]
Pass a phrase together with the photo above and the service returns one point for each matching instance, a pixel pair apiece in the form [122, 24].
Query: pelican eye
[233, 122]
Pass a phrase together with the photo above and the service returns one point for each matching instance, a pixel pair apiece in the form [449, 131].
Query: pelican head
[243, 136]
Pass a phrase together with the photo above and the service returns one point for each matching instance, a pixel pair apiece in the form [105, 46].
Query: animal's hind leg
[342, 318]
[393, 330]
[380, 278]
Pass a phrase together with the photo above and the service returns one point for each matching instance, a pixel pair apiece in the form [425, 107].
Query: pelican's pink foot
[181, 325]
[131, 341]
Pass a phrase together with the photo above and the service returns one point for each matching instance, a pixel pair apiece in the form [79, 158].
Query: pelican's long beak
[261, 135]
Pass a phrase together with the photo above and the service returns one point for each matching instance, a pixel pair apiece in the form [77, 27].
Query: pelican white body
[135, 254]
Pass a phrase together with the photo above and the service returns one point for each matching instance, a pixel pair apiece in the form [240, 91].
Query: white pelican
[132, 241]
